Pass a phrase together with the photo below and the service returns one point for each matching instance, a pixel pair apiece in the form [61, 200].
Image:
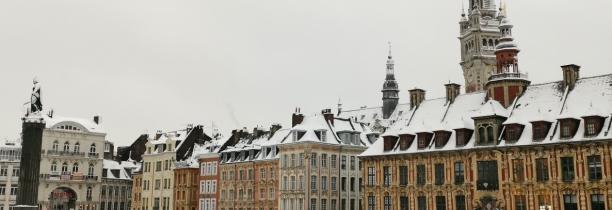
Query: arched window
[490, 136]
[496, 42]
[491, 43]
[64, 167]
[89, 192]
[481, 135]
[484, 42]
[54, 166]
[90, 171]
[76, 147]
[75, 168]
[66, 146]
[55, 145]
[92, 148]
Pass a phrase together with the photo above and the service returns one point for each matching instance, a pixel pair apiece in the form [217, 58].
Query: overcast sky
[149, 65]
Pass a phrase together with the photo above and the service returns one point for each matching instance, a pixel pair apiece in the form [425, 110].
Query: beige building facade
[71, 164]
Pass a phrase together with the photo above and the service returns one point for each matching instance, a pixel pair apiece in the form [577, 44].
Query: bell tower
[390, 89]
[479, 33]
[507, 83]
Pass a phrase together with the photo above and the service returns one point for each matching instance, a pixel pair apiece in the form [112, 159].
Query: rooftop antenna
[462, 8]
[389, 42]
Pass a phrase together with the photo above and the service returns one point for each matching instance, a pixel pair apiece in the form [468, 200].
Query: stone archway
[62, 198]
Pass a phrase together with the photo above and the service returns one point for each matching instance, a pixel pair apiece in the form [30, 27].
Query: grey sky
[148, 65]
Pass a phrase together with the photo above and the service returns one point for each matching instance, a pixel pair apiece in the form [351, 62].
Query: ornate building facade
[515, 145]
[478, 36]
[71, 164]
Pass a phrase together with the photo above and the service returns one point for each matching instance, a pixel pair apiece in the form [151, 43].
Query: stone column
[27, 195]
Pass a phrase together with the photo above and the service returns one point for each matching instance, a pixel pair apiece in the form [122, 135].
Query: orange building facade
[186, 188]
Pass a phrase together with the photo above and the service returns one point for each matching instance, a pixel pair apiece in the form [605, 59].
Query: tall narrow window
[542, 169]
[570, 202]
[387, 200]
[313, 160]
[567, 169]
[66, 146]
[487, 175]
[343, 164]
[460, 202]
[313, 204]
[403, 175]
[594, 162]
[371, 202]
[439, 167]
[323, 184]
[313, 183]
[520, 203]
[459, 173]
[440, 203]
[371, 176]
[387, 176]
[404, 203]
[598, 202]
[420, 174]
[323, 164]
[517, 170]
[334, 161]
[76, 147]
[422, 203]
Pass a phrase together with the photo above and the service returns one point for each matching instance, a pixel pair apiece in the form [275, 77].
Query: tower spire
[390, 88]
[390, 56]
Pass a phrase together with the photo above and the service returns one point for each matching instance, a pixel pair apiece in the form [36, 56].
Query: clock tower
[479, 34]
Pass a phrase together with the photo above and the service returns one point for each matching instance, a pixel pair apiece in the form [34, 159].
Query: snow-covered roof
[88, 125]
[111, 165]
[549, 102]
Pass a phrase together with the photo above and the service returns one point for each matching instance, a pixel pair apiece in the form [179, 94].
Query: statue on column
[35, 103]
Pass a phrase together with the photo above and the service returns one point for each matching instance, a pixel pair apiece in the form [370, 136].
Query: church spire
[390, 65]
[390, 88]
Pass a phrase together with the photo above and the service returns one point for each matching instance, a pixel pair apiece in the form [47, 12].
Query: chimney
[452, 91]
[274, 128]
[416, 97]
[96, 119]
[297, 117]
[571, 73]
[328, 115]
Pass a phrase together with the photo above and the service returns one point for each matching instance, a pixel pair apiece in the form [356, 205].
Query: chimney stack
[96, 119]
[452, 91]
[571, 73]
[297, 117]
[416, 97]
[328, 115]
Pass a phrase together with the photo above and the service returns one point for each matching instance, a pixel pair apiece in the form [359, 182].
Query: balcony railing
[65, 153]
[508, 75]
[93, 155]
[69, 177]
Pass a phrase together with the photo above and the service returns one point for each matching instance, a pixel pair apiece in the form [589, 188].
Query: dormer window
[389, 142]
[486, 134]
[372, 137]
[321, 134]
[540, 130]
[423, 139]
[593, 125]
[356, 139]
[297, 135]
[513, 132]
[463, 136]
[569, 127]
[405, 141]
[441, 138]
